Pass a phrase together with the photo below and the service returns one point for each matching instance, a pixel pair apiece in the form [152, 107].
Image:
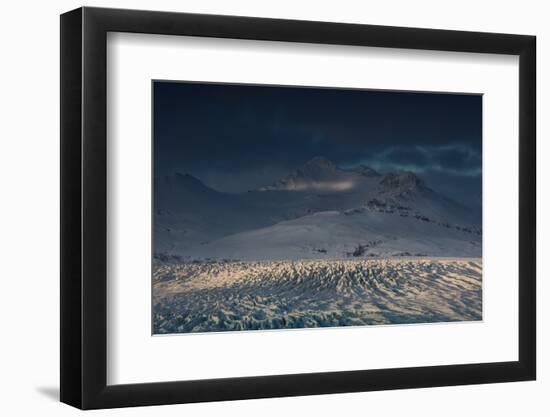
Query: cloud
[317, 186]
[451, 159]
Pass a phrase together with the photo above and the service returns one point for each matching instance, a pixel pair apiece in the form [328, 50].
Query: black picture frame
[84, 207]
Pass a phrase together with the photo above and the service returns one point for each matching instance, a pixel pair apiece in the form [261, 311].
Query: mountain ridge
[192, 218]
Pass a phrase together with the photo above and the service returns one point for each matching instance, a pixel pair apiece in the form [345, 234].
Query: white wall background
[29, 177]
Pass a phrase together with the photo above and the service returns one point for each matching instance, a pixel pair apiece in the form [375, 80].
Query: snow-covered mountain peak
[317, 168]
[187, 179]
[367, 171]
[317, 174]
[320, 162]
[182, 182]
[402, 184]
[321, 175]
[402, 180]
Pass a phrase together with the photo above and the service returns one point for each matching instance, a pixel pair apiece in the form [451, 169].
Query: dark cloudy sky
[236, 137]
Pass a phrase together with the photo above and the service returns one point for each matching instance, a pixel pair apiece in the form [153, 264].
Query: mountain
[320, 174]
[188, 212]
[354, 233]
[318, 210]
[367, 171]
[403, 184]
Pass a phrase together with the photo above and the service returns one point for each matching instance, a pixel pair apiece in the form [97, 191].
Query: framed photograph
[257, 208]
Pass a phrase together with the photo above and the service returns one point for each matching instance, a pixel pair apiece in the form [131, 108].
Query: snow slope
[336, 234]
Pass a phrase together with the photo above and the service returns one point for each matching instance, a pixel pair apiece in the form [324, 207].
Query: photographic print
[288, 207]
